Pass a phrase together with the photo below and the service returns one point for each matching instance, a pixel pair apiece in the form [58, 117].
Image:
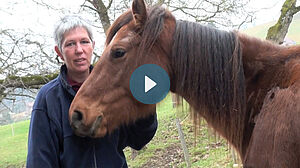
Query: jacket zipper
[95, 161]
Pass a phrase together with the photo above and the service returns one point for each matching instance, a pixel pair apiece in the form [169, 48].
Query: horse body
[272, 87]
[247, 89]
[275, 141]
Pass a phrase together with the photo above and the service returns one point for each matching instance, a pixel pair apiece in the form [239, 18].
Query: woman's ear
[58, 53]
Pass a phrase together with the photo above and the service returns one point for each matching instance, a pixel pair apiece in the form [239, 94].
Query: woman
[51, 142]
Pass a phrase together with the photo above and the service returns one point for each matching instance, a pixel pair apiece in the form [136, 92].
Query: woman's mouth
[79, 61]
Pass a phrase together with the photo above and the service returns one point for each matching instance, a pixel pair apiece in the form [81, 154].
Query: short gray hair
[68, 23]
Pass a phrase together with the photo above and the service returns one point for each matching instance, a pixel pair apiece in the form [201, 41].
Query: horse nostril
[76, 119]
[99, 118]
[77, 116]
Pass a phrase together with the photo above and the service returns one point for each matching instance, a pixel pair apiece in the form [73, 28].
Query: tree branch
[297, 9]
[32, 81]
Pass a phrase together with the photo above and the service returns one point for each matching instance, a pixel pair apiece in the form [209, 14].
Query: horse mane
[208, 70]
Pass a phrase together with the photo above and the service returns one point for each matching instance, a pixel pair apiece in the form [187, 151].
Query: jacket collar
[64, 81]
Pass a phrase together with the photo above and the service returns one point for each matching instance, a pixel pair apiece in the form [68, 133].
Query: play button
[149, 83]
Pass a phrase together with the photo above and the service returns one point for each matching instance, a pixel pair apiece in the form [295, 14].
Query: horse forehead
[123, 35]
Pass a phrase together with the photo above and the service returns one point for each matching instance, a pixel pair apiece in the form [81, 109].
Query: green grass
[204, 150]
[165, 114]
[13, 147]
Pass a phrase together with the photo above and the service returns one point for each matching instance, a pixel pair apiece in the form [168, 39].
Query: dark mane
[152, 29]
[207, 64]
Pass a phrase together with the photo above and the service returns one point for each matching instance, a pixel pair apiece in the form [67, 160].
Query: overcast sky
[26, 14]
[267, 10]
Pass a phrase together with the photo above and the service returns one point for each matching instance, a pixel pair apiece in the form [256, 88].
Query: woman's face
[76, 51]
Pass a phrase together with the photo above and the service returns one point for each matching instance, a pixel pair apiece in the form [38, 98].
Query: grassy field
[13, 144]
[205, 150]
[163, 151]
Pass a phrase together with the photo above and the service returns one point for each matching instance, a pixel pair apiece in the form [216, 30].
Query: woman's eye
[85, 42]
[118, 53]
[70, 44]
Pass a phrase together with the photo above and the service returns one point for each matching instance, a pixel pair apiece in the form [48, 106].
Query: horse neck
[267, 65]
[199, 56]
[263, 68]
[260, 61]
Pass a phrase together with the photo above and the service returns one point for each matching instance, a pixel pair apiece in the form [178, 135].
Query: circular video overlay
[149, 83]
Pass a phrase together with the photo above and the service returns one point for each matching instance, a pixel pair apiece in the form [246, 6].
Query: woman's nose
[78, 48]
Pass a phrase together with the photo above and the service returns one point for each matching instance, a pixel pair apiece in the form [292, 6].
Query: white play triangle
[149, 84]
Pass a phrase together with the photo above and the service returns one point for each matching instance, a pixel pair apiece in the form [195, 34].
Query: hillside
[260, 31]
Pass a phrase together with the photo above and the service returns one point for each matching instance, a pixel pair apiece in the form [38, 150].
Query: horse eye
[118, 53]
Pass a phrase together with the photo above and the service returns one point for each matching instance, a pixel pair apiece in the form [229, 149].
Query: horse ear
[139, 12]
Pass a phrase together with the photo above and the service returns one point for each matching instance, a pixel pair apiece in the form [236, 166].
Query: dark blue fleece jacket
[51, 142]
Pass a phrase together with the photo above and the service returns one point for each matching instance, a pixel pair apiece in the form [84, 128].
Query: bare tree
[220, 13]
[23, 61]
[99, 7]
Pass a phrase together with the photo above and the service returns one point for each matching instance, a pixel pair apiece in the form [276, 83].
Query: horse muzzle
[83, 130]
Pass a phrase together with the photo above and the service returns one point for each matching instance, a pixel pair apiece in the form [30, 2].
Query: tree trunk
[102, 11]
[278, 32]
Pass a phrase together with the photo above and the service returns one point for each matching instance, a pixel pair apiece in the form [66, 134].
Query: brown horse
[247, 89]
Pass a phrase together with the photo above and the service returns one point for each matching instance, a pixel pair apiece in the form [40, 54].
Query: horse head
[104, 101]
